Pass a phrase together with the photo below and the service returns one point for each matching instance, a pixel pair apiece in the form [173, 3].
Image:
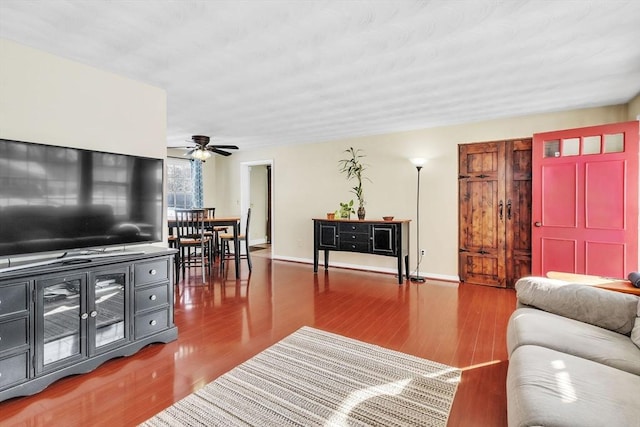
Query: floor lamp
[418, 163]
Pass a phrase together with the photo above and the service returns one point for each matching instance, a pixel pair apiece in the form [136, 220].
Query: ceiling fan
[203, 149]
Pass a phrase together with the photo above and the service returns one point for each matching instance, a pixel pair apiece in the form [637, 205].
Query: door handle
[500, 209]
[537, 224]
[509, 209]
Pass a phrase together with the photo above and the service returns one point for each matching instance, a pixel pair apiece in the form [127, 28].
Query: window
[184, 188]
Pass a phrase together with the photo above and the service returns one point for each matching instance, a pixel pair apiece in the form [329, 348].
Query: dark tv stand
[59, 319]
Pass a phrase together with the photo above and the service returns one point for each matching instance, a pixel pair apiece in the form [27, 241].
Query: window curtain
[196, 173]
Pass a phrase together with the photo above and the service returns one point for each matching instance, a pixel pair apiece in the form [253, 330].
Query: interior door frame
[245, 192]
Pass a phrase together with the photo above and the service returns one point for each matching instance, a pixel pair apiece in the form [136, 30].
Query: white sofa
[574, 356]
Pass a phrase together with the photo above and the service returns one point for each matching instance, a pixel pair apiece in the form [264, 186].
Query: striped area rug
[316, 378]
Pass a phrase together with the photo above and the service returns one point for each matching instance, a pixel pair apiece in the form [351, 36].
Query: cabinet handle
[152, 272]
[153, 297]
[353, 236]
[84, 316]
[353, 246]
[94, 313]
[153, 322]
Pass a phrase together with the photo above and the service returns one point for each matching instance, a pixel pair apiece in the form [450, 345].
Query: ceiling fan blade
[228, 147]
[215, 150]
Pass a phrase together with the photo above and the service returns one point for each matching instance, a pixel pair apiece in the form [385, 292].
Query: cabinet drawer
[354, 238]
[150, 323]
[353, 227]
[355, 246]
[13, 334]
[14, 369]
[13, 298]
[149, 272]
[153, 297]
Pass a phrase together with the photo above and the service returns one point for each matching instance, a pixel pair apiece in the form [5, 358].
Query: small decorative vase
[361, 213]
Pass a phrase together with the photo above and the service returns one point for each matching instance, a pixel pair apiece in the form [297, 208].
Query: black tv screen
[58, 198]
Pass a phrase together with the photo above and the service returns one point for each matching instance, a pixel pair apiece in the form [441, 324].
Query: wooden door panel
[604, 259]
[559, 195]
[604, 195]
[481, 269]
[518, 210]
[559, 254]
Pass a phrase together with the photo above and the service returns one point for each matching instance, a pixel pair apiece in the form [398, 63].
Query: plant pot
[361, 213]
[331, 215]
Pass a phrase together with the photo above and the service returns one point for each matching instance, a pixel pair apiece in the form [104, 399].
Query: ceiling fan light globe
[200, 154]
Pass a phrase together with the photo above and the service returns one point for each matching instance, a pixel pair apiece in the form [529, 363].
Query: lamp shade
[418, 161]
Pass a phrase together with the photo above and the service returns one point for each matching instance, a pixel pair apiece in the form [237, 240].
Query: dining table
[229, 221]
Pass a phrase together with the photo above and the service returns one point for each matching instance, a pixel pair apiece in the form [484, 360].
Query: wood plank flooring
[226, 321]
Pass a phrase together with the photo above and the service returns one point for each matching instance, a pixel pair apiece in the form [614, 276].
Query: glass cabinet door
[61, 307]
[107, 309]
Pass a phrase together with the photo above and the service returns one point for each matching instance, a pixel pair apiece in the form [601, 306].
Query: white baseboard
[427, 275]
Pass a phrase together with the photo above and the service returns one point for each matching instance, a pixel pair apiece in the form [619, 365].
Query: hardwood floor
[227, 321]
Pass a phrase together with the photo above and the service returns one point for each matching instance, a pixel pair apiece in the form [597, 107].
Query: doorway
[256, 192]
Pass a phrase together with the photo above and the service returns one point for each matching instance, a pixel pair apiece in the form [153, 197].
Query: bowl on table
[388, 218]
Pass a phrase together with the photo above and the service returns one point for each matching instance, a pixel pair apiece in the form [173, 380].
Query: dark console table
[67, 316]
[388, 238]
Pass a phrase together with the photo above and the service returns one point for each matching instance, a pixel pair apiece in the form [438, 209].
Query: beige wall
[634, 108]
[307, 184]
[51, 100]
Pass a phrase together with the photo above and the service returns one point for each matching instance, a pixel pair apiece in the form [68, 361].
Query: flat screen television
[59, 199]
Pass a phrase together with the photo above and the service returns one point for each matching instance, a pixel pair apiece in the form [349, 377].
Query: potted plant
[345, 210]
[353, 167]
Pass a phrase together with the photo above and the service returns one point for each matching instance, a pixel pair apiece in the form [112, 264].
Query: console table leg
[326, 259]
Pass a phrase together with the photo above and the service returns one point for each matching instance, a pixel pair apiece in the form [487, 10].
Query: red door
[585, 200]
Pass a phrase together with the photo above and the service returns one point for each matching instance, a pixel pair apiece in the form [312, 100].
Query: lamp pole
[418, 162]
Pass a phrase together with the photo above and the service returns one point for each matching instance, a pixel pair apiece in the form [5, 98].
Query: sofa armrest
[607, 309]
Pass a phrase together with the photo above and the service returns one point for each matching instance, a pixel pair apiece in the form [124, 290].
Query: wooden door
[585, 200]
[517, 215]
[481, 198]
[494, 212]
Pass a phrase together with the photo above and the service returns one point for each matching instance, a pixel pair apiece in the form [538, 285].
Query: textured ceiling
[259, 73]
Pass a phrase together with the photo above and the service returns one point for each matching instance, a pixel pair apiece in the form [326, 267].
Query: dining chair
[214, 231]
[194, 247]
[226, 238]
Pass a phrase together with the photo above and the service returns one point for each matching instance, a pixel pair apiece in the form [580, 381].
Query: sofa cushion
[530, 326]
[635, 332]
[550, 388]
[611, 310]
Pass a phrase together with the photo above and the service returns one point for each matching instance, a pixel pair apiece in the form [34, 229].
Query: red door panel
[559, 202]
[604, 259]
[585, 200]
[604, 195]
[559, 254]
